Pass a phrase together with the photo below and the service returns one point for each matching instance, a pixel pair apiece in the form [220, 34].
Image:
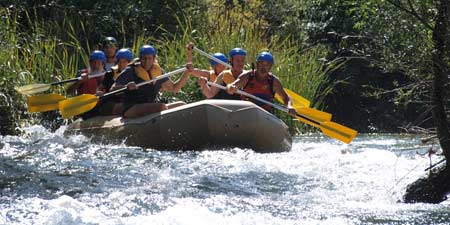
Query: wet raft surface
[196, 126]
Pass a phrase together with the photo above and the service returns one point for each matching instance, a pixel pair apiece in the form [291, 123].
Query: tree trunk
[434, 188]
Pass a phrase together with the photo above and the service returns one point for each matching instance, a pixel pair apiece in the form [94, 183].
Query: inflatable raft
[207, 124]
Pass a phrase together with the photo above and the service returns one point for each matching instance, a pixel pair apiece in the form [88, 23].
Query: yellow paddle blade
[331, 129]
[44, 103]
[77, 105]
[32, 88]
[314, 114]
[297, 100]
[338, 131]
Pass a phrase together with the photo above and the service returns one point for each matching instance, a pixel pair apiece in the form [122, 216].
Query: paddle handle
[78, 78]
[212, 57]
[180, 70]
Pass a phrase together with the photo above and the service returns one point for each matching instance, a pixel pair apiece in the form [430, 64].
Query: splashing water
[47, 178]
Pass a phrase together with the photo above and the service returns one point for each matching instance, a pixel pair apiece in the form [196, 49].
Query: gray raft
[207, 124]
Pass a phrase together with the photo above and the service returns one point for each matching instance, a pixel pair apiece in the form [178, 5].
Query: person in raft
[110, 48]
[237, 60]
[261, 83]
[141, 101]
[214, 71]
[114, 105]
[86, 85]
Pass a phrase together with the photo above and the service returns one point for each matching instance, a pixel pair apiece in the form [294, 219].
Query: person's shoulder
[126, 75]
[274, 77]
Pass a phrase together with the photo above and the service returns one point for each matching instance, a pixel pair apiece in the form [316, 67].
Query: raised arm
[176, 86]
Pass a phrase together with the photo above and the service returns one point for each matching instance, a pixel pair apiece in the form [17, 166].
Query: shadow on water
[244, 184]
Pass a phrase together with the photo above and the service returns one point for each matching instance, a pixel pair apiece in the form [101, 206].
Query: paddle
[83, 103]
[43, 103]
[296, 99]
[329, 128]
[37, 88]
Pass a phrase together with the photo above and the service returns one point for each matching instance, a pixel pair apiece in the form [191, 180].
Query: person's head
[218, 67]
[264, 62]
[237, 58]
[97, 60]
[110, 47]
[147, 54]
[123, 57]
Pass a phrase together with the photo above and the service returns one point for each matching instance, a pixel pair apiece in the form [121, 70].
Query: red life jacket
[263, 90]
[90, 86]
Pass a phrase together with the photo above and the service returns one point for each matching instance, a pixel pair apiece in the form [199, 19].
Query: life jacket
[90, 86]
[227, 78]
[155, 71]
[146, 93]
[260, 89]
[212, 75]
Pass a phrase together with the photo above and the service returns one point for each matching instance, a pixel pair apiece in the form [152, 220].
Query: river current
[48, 178]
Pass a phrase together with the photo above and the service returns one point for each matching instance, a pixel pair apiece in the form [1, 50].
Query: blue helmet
[98, 55]
[147, 50]
[265, 56]
[124, 53]
[237, 51]
[219, 56]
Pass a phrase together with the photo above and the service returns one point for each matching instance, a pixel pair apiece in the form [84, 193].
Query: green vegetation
[335, 53]
[56, 50]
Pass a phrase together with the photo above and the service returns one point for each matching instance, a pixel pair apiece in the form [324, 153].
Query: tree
[435, 187]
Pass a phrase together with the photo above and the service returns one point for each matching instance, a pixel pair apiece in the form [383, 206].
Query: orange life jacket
[212, 75]
[227, 78]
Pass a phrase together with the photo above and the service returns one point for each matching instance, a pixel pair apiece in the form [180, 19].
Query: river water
[47, 178]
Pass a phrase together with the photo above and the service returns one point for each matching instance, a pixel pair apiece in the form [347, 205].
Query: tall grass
[301, 71]
[44, 57]
[32, 57]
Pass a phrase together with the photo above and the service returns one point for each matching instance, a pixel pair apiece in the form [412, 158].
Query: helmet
[98, 55]
[219, 56]
[124, 53]
[237, 51]
[147, 50]
[265, 56]
[109, 41]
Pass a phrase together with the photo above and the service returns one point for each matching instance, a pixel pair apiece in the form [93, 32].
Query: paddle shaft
[229, 66]
[212, 57]
[180, 70]
[77, 79]
[282, 108]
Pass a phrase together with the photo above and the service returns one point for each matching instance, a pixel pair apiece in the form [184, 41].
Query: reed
[301, 71]
[47, 55]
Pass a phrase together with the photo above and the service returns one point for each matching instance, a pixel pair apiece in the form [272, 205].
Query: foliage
[57, 44]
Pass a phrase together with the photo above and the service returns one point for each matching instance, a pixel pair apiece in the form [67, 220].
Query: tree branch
[410, 11]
